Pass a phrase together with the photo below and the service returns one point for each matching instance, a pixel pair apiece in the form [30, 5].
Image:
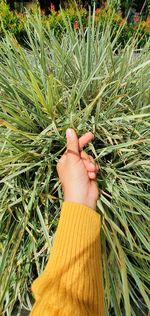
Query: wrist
[90, 204]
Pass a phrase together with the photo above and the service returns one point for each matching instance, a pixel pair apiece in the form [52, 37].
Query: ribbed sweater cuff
[78, 227]
[71, 283]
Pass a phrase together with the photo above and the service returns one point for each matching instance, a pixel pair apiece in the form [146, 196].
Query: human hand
[77, 171]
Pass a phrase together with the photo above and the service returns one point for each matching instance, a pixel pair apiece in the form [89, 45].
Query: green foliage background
[87, 81]
[15, 22]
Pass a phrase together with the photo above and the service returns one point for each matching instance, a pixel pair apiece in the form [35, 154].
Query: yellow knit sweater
[71, 284]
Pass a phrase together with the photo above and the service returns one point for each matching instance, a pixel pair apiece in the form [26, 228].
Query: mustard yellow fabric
[71, 284]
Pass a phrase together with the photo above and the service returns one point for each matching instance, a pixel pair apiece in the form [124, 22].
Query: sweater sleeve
[71, 283]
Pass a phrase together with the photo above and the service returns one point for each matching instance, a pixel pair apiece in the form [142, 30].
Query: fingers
[89, 165]
[89, 162]
[75, 145]
[72, 142]
[85, 139]
[72, 137]
[94, 163]
[92, 175]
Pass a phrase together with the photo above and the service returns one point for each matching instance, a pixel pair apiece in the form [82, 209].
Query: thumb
[72, 141]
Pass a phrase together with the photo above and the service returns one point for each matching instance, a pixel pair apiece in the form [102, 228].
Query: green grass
[84, 81]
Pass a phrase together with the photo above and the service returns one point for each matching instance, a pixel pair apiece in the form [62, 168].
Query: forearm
[72, 280]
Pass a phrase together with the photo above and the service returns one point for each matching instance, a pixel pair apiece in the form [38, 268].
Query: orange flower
[52, 7]
[76, 25]
[97, 11]
[122, 21]
[148, 19]
[104, 4]
[136, 19]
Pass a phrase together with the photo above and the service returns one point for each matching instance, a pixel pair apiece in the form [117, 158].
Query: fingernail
[69, 133]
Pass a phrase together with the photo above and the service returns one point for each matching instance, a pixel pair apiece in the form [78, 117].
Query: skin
[77, 171]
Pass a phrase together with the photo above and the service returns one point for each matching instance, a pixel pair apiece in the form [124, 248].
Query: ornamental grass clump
[85, 81]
